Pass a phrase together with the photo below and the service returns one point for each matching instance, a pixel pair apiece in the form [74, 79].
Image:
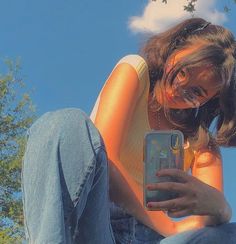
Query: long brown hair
[218, 49]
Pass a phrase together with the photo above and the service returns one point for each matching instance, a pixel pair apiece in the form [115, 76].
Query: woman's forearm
[222, 216]
[127, 194]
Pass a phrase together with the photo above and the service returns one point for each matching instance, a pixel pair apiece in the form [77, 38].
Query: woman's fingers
[177, 203]
[178, 174]
[170, 186]
[195, 197]
[179, 213]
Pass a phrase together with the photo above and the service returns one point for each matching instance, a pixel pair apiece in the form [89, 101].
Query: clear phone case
[162, 149]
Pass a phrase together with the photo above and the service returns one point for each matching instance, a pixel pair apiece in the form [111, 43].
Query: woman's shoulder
[138, 63]
[208, 153]
[129, 78]
[134, 60]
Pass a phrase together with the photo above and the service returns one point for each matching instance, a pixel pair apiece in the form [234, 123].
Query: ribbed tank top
[131, 150]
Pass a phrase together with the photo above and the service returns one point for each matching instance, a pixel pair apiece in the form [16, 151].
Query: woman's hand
[195, 197]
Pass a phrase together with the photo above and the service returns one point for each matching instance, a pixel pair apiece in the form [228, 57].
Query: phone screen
[162, 149]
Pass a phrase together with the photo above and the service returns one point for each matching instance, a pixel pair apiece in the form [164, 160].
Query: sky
[67, 48]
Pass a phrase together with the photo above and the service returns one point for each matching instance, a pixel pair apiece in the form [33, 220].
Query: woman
[67, 196]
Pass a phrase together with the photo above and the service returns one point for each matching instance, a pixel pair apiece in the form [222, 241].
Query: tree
[16, 115]
[190, 7]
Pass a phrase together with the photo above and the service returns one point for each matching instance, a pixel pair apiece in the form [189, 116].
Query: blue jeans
[65, 190]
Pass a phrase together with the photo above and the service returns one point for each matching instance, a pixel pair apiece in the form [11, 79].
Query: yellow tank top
[131, 150]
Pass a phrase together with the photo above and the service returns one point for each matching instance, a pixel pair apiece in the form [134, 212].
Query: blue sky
[68, 48]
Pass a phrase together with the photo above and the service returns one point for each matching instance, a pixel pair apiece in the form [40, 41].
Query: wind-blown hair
[218, 49]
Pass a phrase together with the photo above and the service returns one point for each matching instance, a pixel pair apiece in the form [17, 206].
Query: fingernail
[149, 187]
[149, 205]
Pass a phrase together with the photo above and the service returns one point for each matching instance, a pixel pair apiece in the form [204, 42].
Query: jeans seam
[94, 148]
[89, 170]
[80, 190]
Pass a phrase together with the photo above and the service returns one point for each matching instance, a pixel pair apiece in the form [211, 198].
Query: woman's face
[192, 87]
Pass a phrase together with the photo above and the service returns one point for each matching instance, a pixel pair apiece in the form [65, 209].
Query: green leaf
[16, 116]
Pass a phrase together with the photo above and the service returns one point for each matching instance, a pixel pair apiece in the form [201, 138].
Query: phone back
[162, 149]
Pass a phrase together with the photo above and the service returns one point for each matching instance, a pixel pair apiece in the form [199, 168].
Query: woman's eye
[181, 75]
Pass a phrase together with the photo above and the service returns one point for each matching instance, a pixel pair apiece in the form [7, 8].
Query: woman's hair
[218, 49]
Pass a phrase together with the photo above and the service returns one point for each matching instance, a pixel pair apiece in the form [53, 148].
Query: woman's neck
[158, 121]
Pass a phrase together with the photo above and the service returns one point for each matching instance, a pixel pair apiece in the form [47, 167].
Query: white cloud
[158, 16]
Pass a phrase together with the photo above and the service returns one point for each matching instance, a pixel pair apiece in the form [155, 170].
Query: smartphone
[162, 149]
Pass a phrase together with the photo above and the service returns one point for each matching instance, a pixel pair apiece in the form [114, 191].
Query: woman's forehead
[190, 49]
[180, 54]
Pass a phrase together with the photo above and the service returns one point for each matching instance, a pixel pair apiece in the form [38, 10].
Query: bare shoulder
[209, 155]
[208, 166]
[129, 76]
[118, 99]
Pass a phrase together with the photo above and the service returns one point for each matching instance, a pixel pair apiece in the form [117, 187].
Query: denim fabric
[65, 181]
[128, 230]
[221, 234]
[66, 191]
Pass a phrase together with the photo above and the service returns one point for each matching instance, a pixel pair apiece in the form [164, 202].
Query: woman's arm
[200, 197]
[113, 114]
[208, 169]
[117, 102]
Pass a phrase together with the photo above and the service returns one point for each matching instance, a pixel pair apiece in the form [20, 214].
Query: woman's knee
[64, 123]
[65, 136]
[58, 119]
[63, 142]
